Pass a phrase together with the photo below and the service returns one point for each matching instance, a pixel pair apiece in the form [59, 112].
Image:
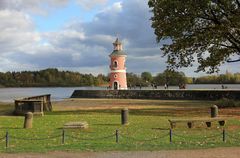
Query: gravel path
[233, 152]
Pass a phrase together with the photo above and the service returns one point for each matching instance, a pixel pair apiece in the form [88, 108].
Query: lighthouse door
[115, 85]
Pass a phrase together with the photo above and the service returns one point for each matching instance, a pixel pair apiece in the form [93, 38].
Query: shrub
[225, 103]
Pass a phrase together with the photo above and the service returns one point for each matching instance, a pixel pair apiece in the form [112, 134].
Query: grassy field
[148, 127]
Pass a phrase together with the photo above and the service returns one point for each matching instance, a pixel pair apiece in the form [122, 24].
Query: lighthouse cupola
[117, 45]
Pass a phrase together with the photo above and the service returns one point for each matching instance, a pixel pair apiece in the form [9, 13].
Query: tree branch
[237, 41]
[233, 61]
[227, 46]
[215, 19]
[233, 43]
[222, 6]
[238, 3]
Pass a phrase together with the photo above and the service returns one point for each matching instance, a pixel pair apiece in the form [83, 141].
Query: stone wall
[159, 94]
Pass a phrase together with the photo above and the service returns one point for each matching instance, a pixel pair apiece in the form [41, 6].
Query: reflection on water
[58, 93]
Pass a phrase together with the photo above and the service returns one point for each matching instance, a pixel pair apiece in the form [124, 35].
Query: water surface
[58, 93]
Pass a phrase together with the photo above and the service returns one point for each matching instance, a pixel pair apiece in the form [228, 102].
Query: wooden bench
[190, 122]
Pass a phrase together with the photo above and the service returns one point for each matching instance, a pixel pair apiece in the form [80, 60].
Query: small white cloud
[115, 8]
[32, 6]
[73, 34]
[89, 4]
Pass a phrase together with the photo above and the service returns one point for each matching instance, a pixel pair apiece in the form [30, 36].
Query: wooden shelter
[35, 104]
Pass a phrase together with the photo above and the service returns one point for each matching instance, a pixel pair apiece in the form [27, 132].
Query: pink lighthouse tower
[118, 80]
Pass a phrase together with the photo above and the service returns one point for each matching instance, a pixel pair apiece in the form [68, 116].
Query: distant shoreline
[105, 86]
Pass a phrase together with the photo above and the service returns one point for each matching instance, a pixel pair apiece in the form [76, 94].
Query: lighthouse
[118, 80]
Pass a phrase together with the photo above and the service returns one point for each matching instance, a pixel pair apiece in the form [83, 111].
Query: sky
[77, 35]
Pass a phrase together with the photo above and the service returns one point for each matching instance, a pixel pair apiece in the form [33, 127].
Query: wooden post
[7, 139]
[16, 106]
[124, 116]
[117, 136]
[190, 124]
[214, 111]
[42, 103]
[208, 124]
[224, 135]
[170, 135]
[63, 136]
[28, 120]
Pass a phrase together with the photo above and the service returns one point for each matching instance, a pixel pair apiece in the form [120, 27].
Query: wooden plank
[198, 120]
[190, 122]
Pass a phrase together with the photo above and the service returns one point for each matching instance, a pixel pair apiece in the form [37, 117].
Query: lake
[59, 93]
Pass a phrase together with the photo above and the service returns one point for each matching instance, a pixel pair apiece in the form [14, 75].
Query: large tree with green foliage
[171, 78]
[206, 31]
[146, 77]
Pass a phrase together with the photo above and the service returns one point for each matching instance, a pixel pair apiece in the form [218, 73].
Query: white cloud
[88, 44]
[81, 46]
[17, 31]
[88, 70]
[33, 6]
[115, 8]
[12, 65]
[89, 4]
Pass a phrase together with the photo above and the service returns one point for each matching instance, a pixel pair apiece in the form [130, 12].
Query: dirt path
[203, 153]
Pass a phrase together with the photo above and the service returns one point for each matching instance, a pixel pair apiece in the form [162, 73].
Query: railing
[118, 137]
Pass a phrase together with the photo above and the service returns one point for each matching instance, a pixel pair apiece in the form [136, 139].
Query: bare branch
[233, 61]
[227, 46]
[238, 3]
[233, 43]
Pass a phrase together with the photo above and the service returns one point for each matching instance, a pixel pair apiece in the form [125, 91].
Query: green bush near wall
[226, 103]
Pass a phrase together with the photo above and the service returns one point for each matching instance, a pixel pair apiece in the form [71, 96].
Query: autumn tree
[205, 31]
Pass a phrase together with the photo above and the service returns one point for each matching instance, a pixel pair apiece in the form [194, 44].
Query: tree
[133, 80]
[171, 78]
[206, 31]
[146, 77]
[159, 79]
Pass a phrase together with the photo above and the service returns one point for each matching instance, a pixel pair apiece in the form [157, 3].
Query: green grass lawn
[148, 129]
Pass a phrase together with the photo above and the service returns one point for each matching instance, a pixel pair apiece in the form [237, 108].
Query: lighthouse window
[115, 76]
[115, 64]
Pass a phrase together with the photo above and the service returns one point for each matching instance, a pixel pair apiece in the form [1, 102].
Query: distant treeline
[49, 77]
[54, 77]
[227, 78]
[167, 77]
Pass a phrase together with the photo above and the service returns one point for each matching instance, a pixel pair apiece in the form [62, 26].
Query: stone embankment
[159, 94]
